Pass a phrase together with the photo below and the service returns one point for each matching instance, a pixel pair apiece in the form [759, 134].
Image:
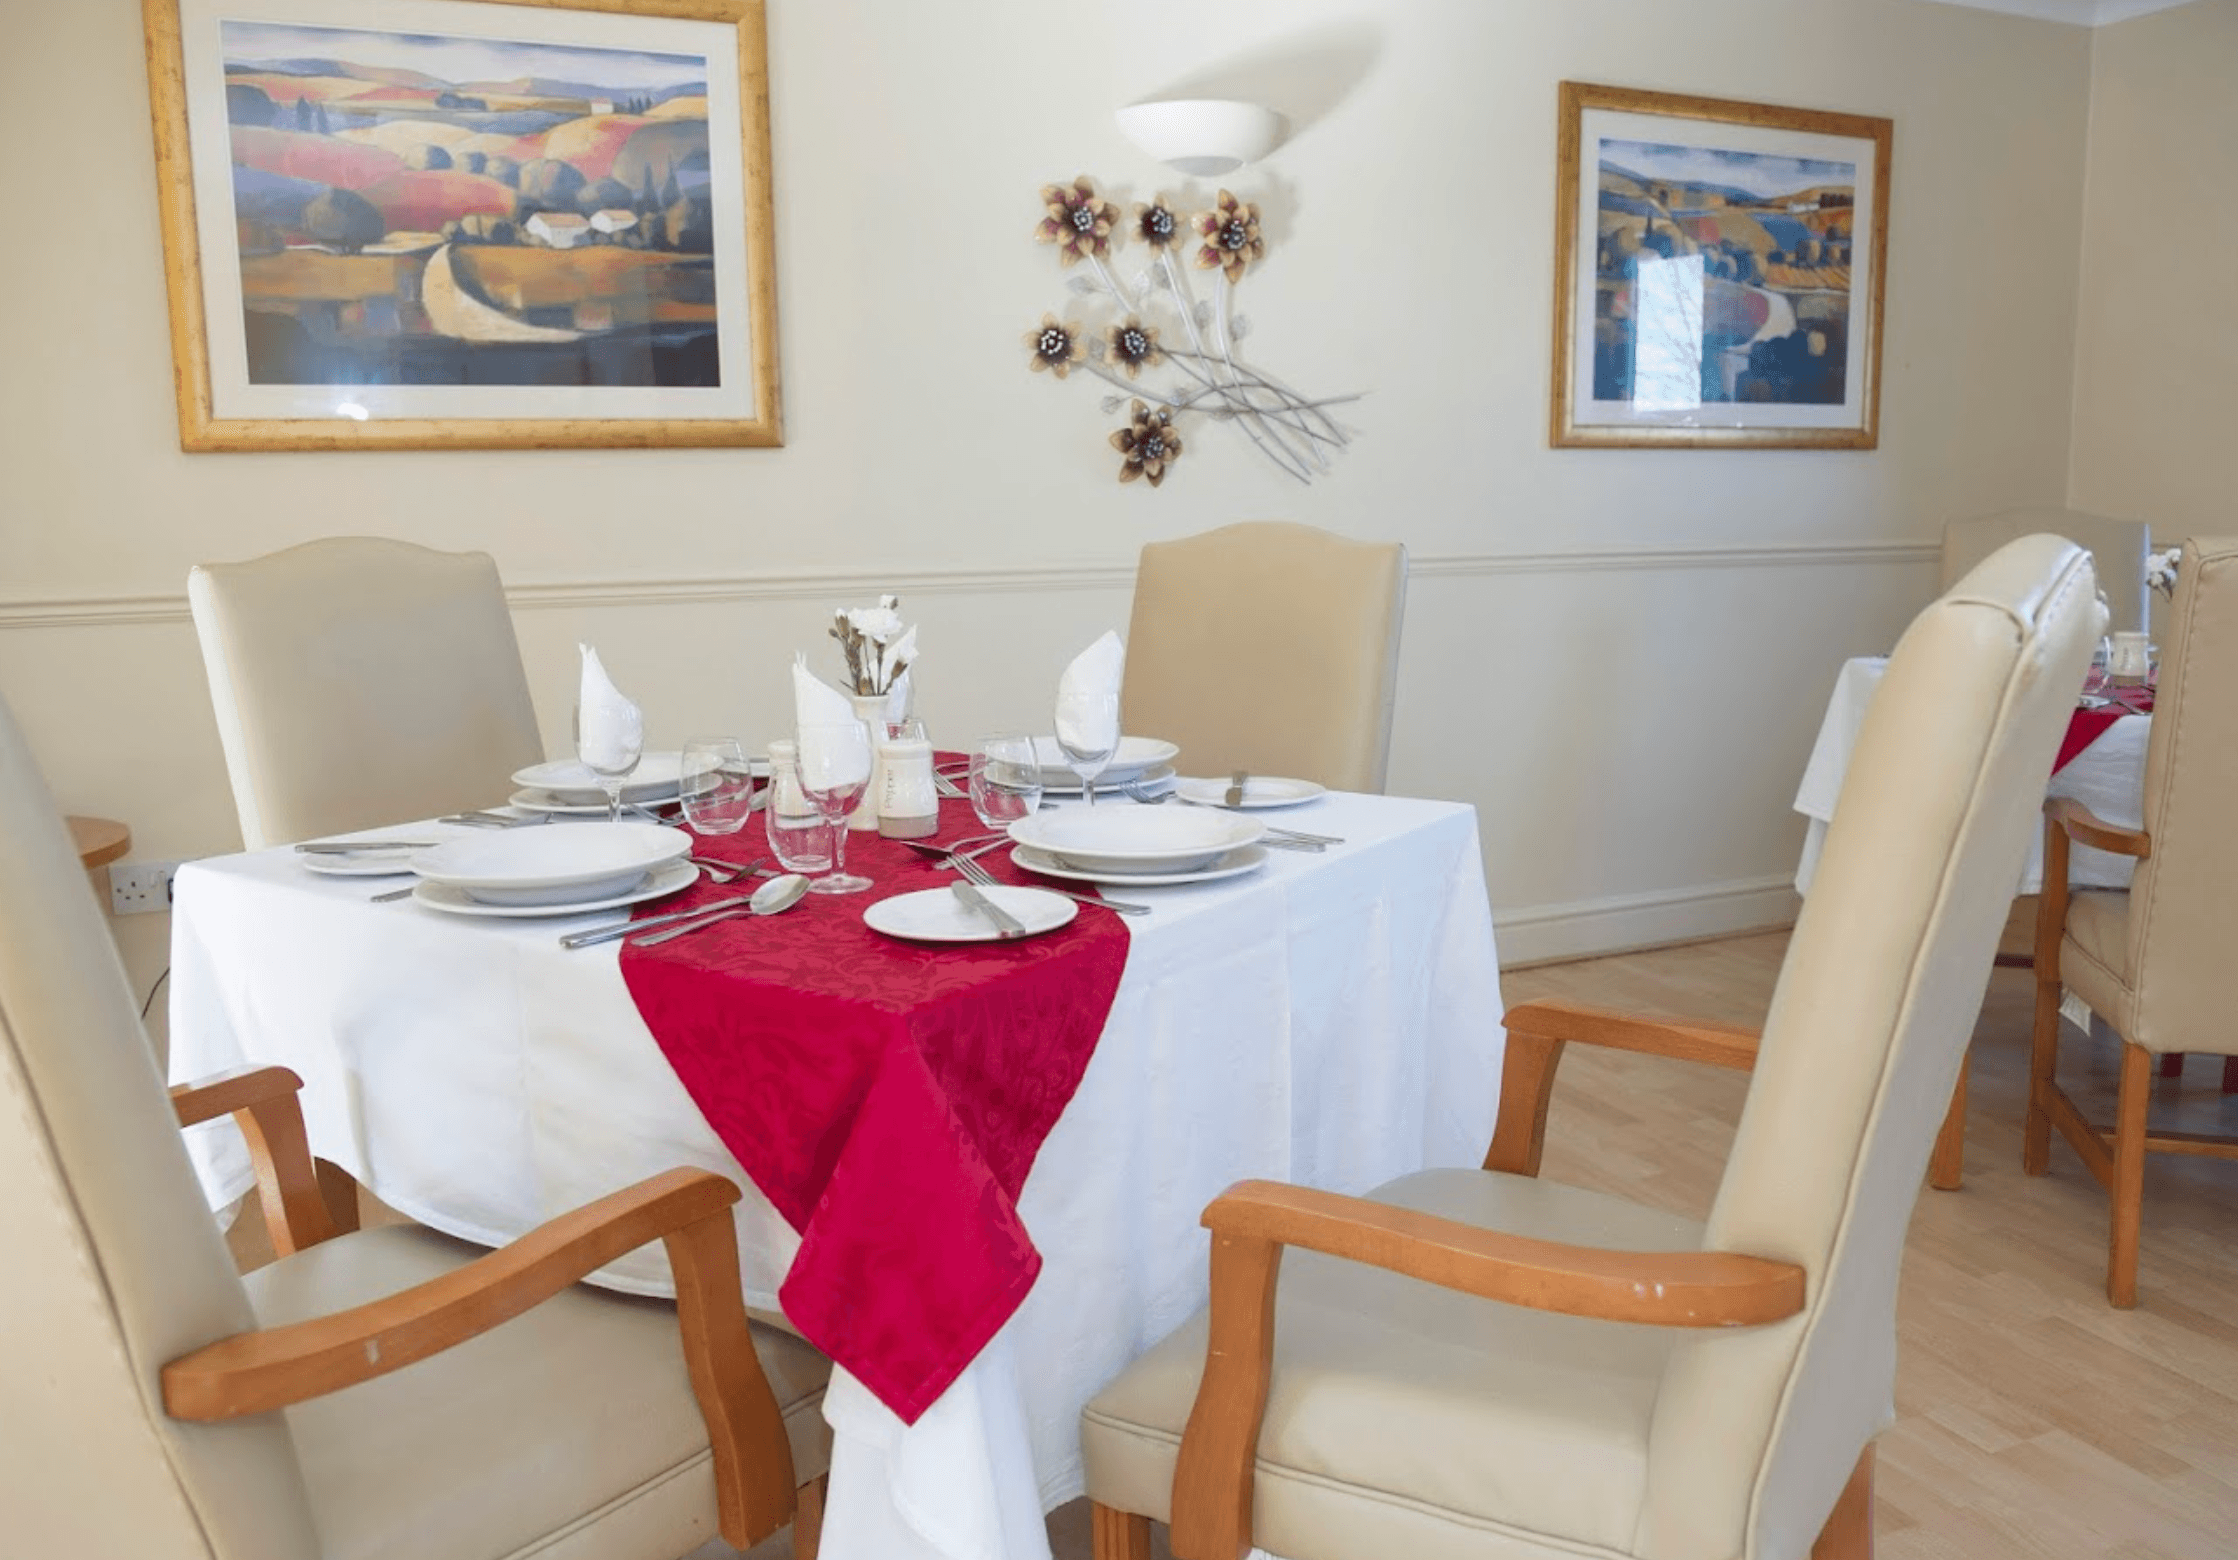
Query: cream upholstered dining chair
[361, 682]
[1576, 1374]
[2117, 549]
[1268, 647]
[372, 1395]
[2159, 961]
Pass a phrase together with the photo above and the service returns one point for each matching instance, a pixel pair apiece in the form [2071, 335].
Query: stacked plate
[1141, 846]
[1139, 761]
[567, 788]
[535, 872]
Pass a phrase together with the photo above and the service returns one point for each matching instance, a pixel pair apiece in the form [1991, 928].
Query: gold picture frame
[476, 224]
[1720, 270]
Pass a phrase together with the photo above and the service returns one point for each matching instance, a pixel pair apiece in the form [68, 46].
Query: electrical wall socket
[137, 887]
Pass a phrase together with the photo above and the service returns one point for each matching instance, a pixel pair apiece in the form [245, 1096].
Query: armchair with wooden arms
[1468, 1364]
[371, 1395]
[2159, 961]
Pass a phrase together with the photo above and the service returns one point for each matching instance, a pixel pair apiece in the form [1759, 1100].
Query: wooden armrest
[256, 1372]
[1253, 1220]
[2072, 818]
[263, 1101]
[1537, 1031]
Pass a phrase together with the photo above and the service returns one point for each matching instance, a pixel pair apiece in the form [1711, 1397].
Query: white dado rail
[829, 583]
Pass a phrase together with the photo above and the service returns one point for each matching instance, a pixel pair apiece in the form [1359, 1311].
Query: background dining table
[2107, 776]
[1331, 1019]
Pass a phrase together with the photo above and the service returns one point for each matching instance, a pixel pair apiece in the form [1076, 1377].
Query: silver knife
[1234, 798]
[352, 847]
[1005, 923]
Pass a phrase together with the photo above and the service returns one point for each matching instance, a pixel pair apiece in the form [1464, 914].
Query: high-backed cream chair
[2117, 549]
[2158, 962]
[1268, 647]
[379, 1395]
[361, 682]
[1562, 1373]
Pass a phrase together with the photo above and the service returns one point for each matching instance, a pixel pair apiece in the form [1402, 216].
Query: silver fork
[1293, 838]
[967, 868]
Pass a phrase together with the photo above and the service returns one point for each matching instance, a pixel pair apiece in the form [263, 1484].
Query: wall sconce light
[1203, 137]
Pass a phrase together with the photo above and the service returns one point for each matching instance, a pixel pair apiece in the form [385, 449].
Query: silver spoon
[774, 897]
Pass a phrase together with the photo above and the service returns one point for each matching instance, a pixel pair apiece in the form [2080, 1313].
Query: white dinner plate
[1248, 858]
[661, 880]
[557, 805]
[362, 863]
[937, 915]
[1157, 778]
[656, 774]
[1136, 756]
[1258, 791]
[521, 867]
[1123, 837]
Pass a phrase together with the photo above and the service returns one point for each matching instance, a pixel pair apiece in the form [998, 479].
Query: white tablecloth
[1331, 1020]
[2108, 777]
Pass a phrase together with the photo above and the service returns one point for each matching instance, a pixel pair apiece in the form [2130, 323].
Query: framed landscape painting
[1719, 272]
[470, 224]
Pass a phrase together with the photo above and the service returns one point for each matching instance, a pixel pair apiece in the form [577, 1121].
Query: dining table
[2101, 763]
[1331, 1018]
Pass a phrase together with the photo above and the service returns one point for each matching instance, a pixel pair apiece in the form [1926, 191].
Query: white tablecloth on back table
[2108, 777]
[1331, 1020]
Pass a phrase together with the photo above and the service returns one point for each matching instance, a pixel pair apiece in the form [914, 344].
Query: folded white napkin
[1088, 696]
[897, 697]
[610, 733]
[817, 706]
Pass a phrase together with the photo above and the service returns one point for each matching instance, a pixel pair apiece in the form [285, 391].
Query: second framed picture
[1719, 273]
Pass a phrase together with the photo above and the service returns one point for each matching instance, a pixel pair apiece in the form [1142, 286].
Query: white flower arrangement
[2160, 570]
[878, 646]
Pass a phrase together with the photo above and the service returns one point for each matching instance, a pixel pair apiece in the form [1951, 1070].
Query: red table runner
[2086, 726]
[888, 1098]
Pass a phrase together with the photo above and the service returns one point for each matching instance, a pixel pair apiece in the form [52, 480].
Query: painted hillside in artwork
[456, 211]
[1722, 276]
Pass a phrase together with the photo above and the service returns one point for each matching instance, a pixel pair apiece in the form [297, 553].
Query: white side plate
[655, 774]
[1235, 863]
[455, 901]
[1258, 791]
[937, 915]
[363, 863]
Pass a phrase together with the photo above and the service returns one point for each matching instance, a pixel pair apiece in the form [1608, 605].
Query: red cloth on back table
[2086, 726]
[887, 1097]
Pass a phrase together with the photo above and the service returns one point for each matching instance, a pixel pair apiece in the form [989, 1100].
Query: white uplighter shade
[1204, 137]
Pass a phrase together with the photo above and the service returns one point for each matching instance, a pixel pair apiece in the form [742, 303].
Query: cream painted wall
[2157, 338]
[1619, 657]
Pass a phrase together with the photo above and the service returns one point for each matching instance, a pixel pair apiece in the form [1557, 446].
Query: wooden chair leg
[1118, 1535]
[1948, 1166]
[2172, 1065]
[808, 1518]
[2043, 1055]
[2127, 1187]
[1848, 1534]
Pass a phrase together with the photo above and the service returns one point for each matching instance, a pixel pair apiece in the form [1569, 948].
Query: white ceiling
[2083, 13]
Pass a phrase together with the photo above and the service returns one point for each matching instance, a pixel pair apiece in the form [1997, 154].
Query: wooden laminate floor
[2034, 1422]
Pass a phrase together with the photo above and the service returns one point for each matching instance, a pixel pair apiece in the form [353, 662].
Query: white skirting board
[1537, 934]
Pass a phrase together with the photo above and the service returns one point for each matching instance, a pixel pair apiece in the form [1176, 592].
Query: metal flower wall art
[1165, 372]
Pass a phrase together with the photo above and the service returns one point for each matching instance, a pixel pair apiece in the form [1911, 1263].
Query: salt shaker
[908, 805]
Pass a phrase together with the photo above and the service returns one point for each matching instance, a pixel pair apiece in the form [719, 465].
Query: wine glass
[834, 772]
[1088, 736]
[1005, 783]
[798, 836]
[610, 744]
[718, 787]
